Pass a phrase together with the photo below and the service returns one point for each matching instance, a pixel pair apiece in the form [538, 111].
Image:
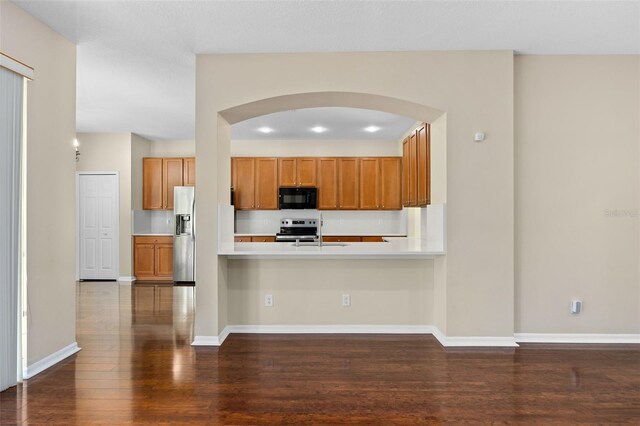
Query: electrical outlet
[268, 300]
[346, 300]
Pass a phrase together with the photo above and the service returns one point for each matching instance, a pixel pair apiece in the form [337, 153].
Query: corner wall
[51, 128]
[577, 126]
[475, 89]
[103, 152]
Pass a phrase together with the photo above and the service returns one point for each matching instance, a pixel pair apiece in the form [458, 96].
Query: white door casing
[98, 226]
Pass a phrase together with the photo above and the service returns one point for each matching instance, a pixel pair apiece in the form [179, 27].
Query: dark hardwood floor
[137, 366]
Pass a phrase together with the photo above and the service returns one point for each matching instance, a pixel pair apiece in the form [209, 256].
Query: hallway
[137, 366]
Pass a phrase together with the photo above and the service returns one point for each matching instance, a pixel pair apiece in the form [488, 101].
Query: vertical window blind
[11, 116]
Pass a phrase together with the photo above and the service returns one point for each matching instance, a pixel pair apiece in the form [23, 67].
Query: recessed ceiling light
[318, 129]
[371, 129]
[264, 129]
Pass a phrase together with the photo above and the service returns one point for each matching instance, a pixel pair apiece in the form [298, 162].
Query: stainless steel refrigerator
[184, 237]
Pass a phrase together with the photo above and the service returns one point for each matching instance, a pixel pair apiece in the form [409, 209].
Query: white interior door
[98, 226]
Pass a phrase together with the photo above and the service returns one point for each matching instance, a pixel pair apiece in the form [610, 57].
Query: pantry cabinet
[160, 176]
[153, 258]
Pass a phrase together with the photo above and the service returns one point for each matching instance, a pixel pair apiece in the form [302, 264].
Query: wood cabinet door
[369, 184]
[143, 260]
[287, 172]
[267, 183]
[243, 180]
[307, 171]
[390, 183]
[164, 261]
[424, 165]
[171, 177]
[189, 172]
[152, 184]
[413, 172]
[348, 183]
[405, 172]
[327, 183]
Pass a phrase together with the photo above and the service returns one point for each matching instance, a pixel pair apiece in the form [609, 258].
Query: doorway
[97, 225]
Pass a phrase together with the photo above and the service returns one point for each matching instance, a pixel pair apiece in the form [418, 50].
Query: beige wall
[172, 148]
[577, 193]
[50, 178]
[140, 148]
[313, 148]
[105, 152]
[475, 89]
[383, 292]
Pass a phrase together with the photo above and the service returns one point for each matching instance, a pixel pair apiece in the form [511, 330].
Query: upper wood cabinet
[348, 183]
[327, 183]
[243, 179]
[390, 183]
[189, 172]
[255, 183]
[152, 186]
[416, 168]
[424, 165]
[160, 176]
[369, 184]
[267, 183]
[297, 172]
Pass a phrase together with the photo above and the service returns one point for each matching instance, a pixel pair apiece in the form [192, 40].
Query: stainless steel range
[303, 230]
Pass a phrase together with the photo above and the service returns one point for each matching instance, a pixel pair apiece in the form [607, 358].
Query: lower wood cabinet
[153, 258]
[255, 239]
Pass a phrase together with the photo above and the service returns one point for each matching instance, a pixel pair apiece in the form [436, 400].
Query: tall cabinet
[416, 168]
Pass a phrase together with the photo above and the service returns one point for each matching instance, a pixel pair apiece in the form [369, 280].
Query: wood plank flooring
[137, 367]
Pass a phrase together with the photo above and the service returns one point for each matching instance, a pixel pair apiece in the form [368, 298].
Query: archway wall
[475, 89]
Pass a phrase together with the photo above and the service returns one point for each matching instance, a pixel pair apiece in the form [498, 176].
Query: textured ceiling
[136, 59]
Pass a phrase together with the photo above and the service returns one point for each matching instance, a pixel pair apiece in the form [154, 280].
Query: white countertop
[394, 248]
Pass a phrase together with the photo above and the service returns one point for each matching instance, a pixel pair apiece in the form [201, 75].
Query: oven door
[297, 198]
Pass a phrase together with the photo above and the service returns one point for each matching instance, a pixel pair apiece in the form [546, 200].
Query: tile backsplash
[341, 222]
[152, 222]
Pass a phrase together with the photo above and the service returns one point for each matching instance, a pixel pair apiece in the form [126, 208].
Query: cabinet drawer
[372, 239]
[153, 240]
[346, 239]
[242, 239]
[263, 239]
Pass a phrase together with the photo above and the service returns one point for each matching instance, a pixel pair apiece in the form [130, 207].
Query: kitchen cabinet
[244, 239]
[266, 183]
[390, 183]
[342, 239]
[327, 183]
[255, 183]
[189, 172]
[263, 239]
[348, 183]
[171, 177]
[369, 184]
[160, 176]
[372, 239]
[416, 168]
[423, 165]
[153, 258]
[297, 172]
[152, 184]
[243, 181]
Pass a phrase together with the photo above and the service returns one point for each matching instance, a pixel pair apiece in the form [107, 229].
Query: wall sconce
[76, 145]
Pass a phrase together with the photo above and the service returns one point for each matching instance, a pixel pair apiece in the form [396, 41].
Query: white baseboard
[126, 280]
[576, 338]
[206, 341]
[50, 360]
[331, 329]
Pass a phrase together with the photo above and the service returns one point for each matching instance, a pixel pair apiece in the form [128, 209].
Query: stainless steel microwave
[298, 198]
